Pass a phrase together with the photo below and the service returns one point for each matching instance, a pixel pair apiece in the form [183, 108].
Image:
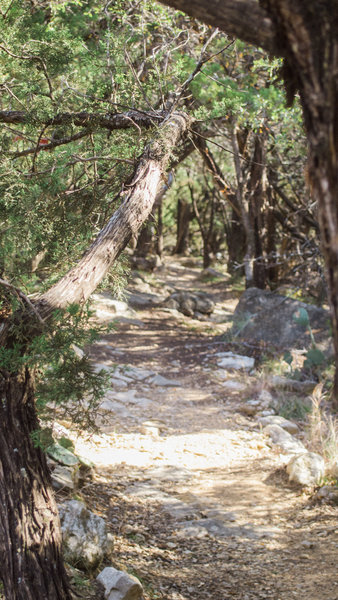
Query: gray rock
[277, 381]
[306, 469]
[63, 478]
[229, 360]
[138, 374]
[250, 408]
[85, 538]
[264, 316]
[107, 308]
[119, 585]
[132, 397]
[164, 382]
[62, 455]
[190, 304]
[143, 300]
[289, 426]
[286, 442]
[328, 493]
[232, 384]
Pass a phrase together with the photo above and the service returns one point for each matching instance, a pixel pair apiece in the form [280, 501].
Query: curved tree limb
[245, 19]
[138, 199]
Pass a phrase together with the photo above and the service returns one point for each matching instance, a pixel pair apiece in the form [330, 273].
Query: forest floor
[198, 501]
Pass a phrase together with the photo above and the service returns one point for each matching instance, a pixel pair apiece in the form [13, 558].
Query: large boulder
[264, 316]
[85, 538]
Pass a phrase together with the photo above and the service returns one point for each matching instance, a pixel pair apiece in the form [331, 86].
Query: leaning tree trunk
[31, 564]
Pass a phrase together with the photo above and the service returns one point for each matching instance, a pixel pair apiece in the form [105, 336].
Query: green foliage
[314, 357]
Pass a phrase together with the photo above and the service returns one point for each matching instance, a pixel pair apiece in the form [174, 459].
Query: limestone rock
[289, 426]
[164, 382]
[62, 455]
[142, 300]
[286, 442]
[190, 304]
[85, 537]
[229, 360]
[106, 307]
[328, 493]
[264, 316]
[63, 478]
[306, 469]
[119, 585]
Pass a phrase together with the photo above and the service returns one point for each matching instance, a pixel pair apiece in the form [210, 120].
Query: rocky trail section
[194, 492]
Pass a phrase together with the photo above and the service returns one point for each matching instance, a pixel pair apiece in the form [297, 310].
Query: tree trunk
[30, 538]
[306, 35]
[182, 227]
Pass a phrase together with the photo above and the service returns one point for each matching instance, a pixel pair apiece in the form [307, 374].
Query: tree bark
[245, 19]
[30, 538]
[30, 541]
[138, 198]
[306, 35]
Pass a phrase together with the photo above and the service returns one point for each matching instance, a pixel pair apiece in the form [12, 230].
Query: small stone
[288, 426]
[119, 585]
[62, 455]
[328, 493]
[249, 409]
[63, 478]
[286, 442]
[164, 382]
[306, 469]
[232, 384]
[229, 360]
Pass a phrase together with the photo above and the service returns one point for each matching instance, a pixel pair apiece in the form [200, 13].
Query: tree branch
[138, 199]
[111, 121]
[244, 19]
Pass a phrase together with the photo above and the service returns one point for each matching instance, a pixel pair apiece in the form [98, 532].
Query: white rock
[265, 399]
[131, 397]
[306, 469]
[229, 360]
[289, 426]
[138, 374]
[232, 384]
[119, 585]
[286, 442]
[85, 537]
[62, 478]
[164, 382]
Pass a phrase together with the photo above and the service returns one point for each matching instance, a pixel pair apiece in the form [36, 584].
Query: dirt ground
[199, 503]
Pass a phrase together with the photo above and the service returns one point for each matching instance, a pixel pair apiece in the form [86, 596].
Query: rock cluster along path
[195, 493]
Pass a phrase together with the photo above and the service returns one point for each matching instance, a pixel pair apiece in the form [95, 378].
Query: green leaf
[301, 317]
[288, 357]
[314, 358]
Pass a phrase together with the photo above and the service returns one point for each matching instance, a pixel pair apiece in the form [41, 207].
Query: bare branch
[19, 293]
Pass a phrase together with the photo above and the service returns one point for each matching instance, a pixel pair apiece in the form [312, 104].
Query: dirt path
[199, 504]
